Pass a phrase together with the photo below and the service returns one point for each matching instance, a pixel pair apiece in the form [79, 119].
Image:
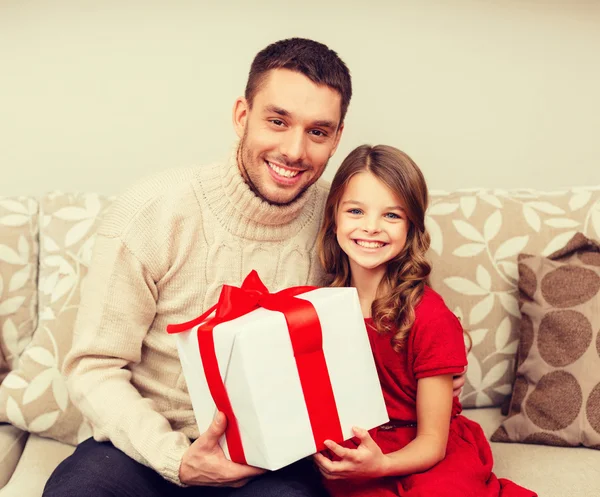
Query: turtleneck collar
[240, 211]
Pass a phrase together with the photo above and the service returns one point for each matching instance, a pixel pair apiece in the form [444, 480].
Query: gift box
[289, 370]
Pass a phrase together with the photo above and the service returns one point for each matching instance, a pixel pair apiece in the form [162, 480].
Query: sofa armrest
[12, 442]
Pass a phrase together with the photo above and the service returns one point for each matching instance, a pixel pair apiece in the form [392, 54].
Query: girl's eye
[393, 215]
[355, 211]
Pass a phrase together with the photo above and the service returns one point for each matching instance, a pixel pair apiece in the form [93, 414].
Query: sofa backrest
[33, 396]
[476, 236]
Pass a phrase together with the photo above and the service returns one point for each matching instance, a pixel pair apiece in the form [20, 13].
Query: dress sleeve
[438, 346]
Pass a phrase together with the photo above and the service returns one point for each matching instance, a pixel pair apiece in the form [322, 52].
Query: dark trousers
[98, 469]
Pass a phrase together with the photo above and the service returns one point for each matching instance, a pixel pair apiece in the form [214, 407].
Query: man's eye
[277, 122]
[318, 132]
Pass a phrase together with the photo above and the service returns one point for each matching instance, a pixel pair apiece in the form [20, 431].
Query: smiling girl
[373, 237]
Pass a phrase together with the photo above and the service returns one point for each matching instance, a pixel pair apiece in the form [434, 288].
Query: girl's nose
[371, 227]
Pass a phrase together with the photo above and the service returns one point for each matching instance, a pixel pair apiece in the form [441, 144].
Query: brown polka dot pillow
[556, 395]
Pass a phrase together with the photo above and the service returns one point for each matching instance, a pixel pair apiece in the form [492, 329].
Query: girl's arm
[434, 407]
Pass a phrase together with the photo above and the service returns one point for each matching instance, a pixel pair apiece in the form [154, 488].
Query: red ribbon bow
[307, 342]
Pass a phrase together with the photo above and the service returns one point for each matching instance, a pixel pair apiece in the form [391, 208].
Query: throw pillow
[556, 397]
[476, 236]
[34, 396]
[18, 275]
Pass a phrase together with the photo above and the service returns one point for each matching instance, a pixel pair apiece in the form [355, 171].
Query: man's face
[288, 135]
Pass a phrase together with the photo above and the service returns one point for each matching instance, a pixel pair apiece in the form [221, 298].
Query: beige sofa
[45, 247]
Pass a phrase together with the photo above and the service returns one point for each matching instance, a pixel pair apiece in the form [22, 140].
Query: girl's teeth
[283, 172]
[369, 244]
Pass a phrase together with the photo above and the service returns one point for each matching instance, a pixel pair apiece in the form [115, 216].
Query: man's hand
[205, 464]
[366, 461]
[458, 382]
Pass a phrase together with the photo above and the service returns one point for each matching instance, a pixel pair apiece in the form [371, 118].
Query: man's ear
[240, 116]
[338, 136]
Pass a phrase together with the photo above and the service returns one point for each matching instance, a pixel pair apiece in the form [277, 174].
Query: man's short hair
[316, 61]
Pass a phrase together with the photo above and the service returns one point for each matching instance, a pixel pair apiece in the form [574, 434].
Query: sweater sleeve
[117, 309]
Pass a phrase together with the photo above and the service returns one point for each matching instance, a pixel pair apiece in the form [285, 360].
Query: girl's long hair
[407, 274]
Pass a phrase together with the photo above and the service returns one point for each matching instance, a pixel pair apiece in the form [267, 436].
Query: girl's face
[371, 225]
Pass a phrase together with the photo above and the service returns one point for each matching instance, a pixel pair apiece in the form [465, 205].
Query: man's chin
[280, 199]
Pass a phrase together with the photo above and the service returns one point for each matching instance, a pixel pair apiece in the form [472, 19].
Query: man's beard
[244, 158]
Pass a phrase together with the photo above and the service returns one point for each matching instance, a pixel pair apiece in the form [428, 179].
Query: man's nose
[293, 147]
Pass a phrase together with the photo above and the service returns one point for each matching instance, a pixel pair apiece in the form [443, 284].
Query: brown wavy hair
[402, 286]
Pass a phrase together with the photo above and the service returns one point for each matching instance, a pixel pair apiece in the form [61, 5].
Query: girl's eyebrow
[391, 208]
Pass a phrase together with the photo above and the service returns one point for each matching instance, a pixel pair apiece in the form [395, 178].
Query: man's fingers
[242, 471]
[458, 382]
[216, 429]
[240, 483]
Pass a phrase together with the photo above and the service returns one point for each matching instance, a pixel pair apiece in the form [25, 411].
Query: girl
[373, 237]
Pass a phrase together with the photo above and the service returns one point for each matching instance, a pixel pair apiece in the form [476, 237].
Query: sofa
[477, 236]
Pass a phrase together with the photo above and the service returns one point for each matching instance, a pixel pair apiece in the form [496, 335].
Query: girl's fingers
[319, 459]
[338, 450]
[331, 470]
[364, 436]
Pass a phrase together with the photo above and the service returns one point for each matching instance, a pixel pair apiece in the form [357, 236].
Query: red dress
[434, 346]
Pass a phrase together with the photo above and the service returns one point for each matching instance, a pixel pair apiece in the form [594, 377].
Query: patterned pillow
[34, 396]
[18, 275]
[476, 236]
[556, 397]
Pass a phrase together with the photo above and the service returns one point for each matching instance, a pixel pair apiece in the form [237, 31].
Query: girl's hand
[366, 461]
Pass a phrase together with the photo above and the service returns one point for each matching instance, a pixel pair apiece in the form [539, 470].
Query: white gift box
[256, 361]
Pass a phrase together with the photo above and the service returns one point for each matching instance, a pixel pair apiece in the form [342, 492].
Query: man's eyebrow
[321, 123]
[278, 110]
[325, 124]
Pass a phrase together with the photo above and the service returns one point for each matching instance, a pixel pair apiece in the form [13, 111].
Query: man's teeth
[283, 172]
[365, 244]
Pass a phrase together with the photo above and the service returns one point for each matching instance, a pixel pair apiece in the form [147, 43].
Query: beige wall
[95, 94]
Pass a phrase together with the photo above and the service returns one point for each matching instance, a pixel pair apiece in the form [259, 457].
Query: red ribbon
[307, 342]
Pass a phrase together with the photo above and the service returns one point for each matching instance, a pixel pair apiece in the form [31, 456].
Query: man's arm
[117, 309]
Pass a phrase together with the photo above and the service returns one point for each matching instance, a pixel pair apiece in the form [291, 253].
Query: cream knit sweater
[161, 257]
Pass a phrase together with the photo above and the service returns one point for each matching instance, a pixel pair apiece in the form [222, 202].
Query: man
[162, 255]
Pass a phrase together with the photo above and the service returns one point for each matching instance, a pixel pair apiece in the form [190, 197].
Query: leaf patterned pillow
[476, 236]
[34, 396]
[18, 275]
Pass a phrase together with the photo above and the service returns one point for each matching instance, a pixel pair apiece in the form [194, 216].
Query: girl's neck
[366, 282]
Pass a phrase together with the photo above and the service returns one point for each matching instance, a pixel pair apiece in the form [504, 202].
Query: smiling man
[162, 255]
[290, 126]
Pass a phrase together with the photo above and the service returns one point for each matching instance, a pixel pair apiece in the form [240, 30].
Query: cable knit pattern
[161, 256]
